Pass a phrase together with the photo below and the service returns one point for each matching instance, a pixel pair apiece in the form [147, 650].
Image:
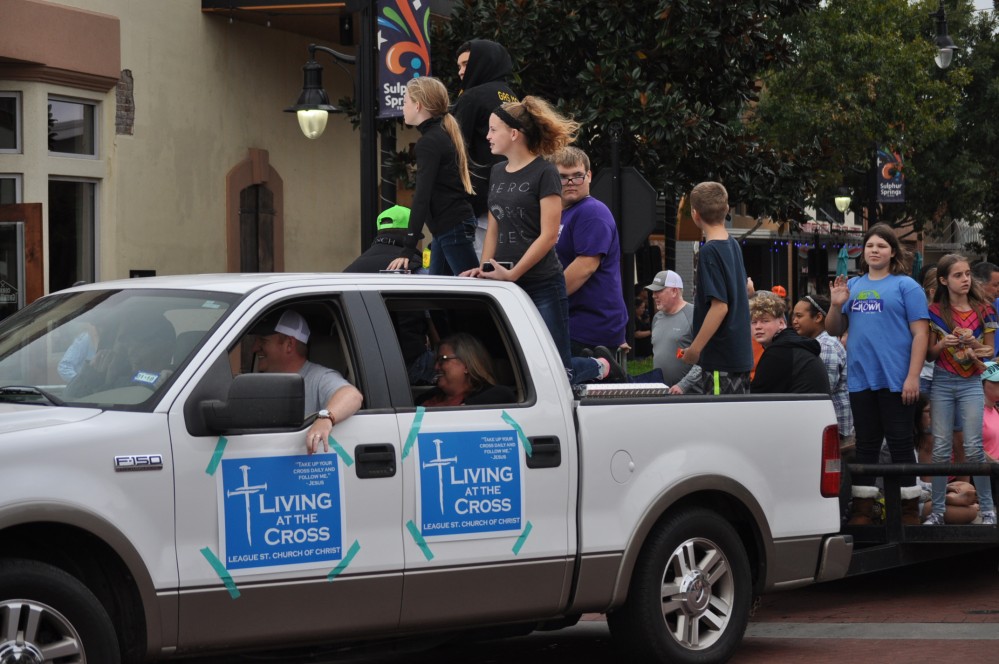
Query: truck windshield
[104, 348]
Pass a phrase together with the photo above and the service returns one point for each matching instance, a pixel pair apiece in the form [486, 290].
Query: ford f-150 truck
[173, 509]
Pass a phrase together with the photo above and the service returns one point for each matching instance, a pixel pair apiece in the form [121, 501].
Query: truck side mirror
[257, 402]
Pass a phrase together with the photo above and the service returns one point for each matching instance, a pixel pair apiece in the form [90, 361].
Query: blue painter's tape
[351, 552]
[413, 431]
[216, 456]
[519, 544]
[344, 454]
[422, 543]
[220, 569]
[528, 449]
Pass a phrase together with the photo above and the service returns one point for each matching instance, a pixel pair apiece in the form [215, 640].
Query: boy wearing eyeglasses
[590, 255]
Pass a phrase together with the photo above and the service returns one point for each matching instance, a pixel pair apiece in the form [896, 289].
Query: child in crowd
[789, 363]
[962, 499]
[721, 344]
[525, 212]
[643, 328]
[963, 326]
[990, 419]
[443, 184]
[886, 313]
[809, 320]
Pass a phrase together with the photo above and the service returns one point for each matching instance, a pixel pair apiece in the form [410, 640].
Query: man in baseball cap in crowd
[281, 346]
[671, 331]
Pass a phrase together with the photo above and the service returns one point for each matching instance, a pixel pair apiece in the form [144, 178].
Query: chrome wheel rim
[34, 633]
[698, 591]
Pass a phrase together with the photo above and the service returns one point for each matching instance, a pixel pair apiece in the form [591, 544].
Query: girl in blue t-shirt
[886, 313]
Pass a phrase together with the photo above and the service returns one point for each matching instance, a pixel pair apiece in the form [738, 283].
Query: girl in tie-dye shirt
[962, 327]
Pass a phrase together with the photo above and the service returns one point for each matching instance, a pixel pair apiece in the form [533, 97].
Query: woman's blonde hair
[547, 131]
[431, 94]
[477, 361]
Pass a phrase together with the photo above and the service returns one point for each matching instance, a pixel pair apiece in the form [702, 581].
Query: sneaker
[935, 519]
[988, 518]
[616, 373]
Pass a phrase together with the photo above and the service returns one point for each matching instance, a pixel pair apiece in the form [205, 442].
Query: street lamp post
[945, 45]
[313, 109]
[842, 200]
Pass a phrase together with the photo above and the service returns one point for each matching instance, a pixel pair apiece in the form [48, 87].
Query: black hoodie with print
[790, 364]
[484, 87]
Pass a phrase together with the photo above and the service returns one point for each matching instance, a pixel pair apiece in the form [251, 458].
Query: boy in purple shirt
[590, 254]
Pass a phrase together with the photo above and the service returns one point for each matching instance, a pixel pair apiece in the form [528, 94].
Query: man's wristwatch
[326, 415]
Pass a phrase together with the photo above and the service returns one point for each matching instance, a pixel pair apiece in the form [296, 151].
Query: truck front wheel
[47, 615]
[690, 594]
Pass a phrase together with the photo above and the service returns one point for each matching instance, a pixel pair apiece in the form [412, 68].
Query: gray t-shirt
[515, 203]
[320, 384]
[669, 332]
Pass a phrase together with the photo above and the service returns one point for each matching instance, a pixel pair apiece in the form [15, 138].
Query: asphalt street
[938, 612]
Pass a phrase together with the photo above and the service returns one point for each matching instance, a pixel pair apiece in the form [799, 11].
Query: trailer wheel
[690, 594]
[47, 615]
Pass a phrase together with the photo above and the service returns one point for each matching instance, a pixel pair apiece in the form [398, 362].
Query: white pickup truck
[173, 510]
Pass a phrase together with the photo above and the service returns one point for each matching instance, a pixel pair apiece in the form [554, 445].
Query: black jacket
[483, 89]
[791, 364]
[440, 201]
[385, 249]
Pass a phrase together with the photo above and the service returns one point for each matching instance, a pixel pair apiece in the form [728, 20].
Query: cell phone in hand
[488, 267]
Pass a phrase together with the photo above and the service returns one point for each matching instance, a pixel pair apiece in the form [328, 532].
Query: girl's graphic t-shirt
[960, 360]
[515, 203]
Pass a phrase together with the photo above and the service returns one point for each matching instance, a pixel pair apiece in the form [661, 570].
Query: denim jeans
[453, 251]
[951, 394]
[880, 415]
[553, 304]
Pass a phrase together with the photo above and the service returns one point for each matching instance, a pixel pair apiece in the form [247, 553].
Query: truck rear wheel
[690, 593]
[47, 615]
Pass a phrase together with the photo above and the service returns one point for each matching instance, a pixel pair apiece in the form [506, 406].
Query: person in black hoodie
[484, 67]
[790, 363]
[443, 183]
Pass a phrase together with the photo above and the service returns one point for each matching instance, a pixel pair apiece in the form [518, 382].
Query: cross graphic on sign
[246, 491]
[440, 463]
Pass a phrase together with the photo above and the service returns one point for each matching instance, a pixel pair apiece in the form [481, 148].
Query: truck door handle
[374, 461]
[546, 452]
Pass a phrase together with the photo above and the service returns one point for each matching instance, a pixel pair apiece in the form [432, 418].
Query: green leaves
[679, 75]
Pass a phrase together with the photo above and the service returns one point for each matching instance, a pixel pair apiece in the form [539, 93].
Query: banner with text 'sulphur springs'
[890, 176]
[403, 50]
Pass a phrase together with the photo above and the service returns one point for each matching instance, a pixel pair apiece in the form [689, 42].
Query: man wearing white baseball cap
[672, 329]
[281, 347]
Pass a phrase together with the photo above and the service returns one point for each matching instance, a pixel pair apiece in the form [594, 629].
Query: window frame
[18, 179]
[18, 122]
[96, 126]
[96, 182]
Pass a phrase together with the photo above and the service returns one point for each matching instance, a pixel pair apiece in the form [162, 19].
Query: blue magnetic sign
[281, 511]
[470, 484]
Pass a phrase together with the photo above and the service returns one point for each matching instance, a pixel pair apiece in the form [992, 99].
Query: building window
[10, 189]
[72, 232]
[72, 127]
[10, 122]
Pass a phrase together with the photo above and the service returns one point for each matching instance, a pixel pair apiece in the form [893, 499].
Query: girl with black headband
[525, 211]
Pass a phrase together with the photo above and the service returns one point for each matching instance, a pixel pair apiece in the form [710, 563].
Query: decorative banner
[890, 176]
[280, 513]
[403, 50]
[470, 484]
